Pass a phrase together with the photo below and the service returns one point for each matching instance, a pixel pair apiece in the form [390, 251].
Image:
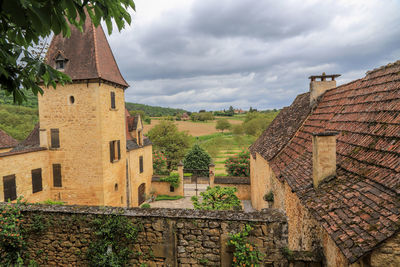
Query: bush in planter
[217, 198]
[159, 163]
[239, 164]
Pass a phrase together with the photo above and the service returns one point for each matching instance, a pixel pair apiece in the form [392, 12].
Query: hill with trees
[154, 111]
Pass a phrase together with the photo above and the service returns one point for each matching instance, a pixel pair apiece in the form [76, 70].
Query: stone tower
[83, 123]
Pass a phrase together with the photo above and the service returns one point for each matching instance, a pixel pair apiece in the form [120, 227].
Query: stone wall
[168, 237]
[135, 177]
[21, 165]
[242, 184]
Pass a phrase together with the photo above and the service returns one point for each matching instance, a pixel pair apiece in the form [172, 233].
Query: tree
[223, 124]
[197, 159]
[218, 198]
[167, 139]
[26, 23]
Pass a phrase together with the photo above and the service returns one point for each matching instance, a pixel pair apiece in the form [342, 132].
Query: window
[171, 189]
[9, 187]
[71, 99]
[115, 151]
[113, 100]
[60, 64]
[57, 175]
[141, 164]
[55, 138]
[37, 180]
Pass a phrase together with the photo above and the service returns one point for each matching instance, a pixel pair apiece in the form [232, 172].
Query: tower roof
[86, 55]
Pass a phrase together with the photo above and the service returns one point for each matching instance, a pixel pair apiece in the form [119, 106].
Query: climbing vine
[12, 244]
[114, 238]
[245, 253]
[173, 179]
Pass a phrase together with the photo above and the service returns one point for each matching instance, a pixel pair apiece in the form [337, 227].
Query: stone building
[331, 161]
[87, 149]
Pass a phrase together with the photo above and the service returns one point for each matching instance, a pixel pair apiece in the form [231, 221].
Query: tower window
[115, 151]
[37, 180]
[113, 100]
[55, 138]
[71, 99]
[141, 164]
[60, 64]
[9, 187]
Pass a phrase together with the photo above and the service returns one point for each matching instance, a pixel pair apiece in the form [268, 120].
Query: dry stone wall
[167, 237]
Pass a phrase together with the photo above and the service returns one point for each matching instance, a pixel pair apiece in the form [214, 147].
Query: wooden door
[141, 193]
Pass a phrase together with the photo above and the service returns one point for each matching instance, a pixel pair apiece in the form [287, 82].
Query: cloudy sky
[207, 54]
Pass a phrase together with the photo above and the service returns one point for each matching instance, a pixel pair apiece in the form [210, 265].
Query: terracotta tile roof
[32, 141]
[282, 128]
[88, 55]
[361, 206]
[7, 141]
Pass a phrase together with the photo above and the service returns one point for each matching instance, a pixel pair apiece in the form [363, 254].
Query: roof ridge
[96, 61]
[389, 65]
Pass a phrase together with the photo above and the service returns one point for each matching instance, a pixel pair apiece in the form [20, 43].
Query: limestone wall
[21, 164]
[80, 152]
[242, 185]
[388, 254]
[135, 177]
[260, 173]
[168, 237]
[163, 188]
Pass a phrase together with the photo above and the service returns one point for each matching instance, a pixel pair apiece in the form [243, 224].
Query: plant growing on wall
[245, 253]
[12, 244]
[239, 164]
[159, 163]
[217, 198]
[114, 236]
[173, 179]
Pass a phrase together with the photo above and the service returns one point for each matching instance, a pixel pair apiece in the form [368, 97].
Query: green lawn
[222, 146]
[166, 197]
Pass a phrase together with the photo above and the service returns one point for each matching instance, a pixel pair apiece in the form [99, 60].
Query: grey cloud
[252, 53]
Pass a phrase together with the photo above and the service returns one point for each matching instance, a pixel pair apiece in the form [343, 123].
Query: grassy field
[194, 128]
[223, 145]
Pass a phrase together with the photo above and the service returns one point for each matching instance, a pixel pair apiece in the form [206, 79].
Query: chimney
[324, 156]
[43, 138]
[318, 87]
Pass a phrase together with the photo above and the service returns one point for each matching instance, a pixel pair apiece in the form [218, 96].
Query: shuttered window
[9, 187]
[37, 180]
[115, 150]
[141, 164]
[57, 182]
[55, 138]
[113, 100]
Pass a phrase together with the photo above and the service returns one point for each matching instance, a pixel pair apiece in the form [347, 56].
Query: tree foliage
[25, 23]
[223, 124]
[202, 116]
[218, 198]
[167, 139]
[154, 111]
[18, 121]
[256, 122]
[197, 159]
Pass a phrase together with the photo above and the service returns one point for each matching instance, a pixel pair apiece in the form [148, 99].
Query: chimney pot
[324, 156]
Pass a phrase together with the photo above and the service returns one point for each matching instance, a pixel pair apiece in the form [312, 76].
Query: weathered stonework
[169, 237]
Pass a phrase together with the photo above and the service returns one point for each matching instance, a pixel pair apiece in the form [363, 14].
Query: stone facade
[167, 237]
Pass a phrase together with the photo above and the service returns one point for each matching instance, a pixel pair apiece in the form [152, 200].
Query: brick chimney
[324, 156]
[319, 84]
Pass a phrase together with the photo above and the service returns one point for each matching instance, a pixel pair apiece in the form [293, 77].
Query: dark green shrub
[197, 159]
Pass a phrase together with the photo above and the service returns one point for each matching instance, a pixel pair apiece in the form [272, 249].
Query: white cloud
[206, 54]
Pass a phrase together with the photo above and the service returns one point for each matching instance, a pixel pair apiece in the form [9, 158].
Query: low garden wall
[164, 188]
[242, 184]
[166, 237]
